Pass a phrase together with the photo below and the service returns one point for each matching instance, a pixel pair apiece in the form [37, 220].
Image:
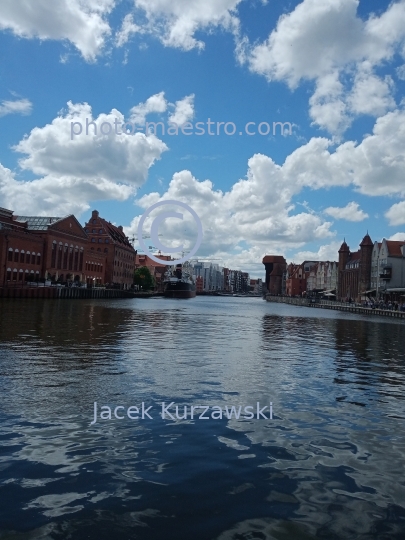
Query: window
[100, 240]
[33, 257]
[94, 221]
[94, 231]
[60, 255]
[10, 257]
[93, 240]
[106, 250]
[53, 255]
[100, 231]
[38, 258]
[16, 256]
[107, 241]
[20, 275]
[71, 258]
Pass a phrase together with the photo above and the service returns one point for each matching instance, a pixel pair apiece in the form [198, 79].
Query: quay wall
[326, 304]
[68, 293]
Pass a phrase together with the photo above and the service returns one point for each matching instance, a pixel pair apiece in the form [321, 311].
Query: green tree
[144, 278]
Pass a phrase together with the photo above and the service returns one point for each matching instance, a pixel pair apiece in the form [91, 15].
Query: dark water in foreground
[329, 465]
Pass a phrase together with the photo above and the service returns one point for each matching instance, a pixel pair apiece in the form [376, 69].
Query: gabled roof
[116, 234]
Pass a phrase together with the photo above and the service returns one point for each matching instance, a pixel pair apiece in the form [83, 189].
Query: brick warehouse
[34, 248]
[110, 241]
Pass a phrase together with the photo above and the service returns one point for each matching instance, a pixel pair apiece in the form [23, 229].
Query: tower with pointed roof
[366, 253]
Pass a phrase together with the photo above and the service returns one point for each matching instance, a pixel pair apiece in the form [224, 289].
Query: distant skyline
[334, 69]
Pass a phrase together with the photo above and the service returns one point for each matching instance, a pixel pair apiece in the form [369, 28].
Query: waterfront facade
[110, 241]
[276, 268]
[355, 270]
[37, 248]
[388, 269]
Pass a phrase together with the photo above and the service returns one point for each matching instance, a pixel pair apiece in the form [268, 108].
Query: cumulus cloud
[76, 170]
[259, 211]
[154, 104]
[52, 150]
[81, 22]
[175, 22]
[326, 252]
[346, 84]
[184, 110]
[396, 214]
[256, 212]
[350, 212]
[398, 236]
[18, 106]
[128, 28]
[57, 195]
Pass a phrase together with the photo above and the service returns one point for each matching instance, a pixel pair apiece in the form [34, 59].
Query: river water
[329, 464]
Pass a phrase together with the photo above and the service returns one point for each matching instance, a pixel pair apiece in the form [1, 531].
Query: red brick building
[276, 267]
[110, 242]
[199, 284]
[21, 254]
[355, 270]
[36, 248]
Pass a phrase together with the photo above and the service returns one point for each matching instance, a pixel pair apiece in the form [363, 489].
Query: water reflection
[330, 463]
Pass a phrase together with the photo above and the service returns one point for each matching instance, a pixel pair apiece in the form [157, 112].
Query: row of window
[94, 267]
[94, 231]
[24, 256]
[21, 275]
[66, 257]
[100, 240]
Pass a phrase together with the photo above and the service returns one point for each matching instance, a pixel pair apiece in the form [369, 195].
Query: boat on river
[179, 283]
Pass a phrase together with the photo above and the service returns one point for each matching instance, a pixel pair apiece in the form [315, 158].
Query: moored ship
[179, 283]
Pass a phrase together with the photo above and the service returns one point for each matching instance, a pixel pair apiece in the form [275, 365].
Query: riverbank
[70, 292]
[327, 304]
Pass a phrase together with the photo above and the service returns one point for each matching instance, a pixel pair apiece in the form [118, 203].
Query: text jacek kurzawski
[172, 411]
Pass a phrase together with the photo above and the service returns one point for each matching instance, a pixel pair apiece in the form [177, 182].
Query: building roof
[274, 259]
[344, 247]
[37, 223]
[116, 233]
[394, 247]
[366, 241]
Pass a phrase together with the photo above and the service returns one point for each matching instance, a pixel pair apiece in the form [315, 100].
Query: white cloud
[350, 212]
[82, 22]
[128, 28]
[326, 252]
[307, 44]
[154, 104]
[256, 211]
[398, 236]
[57, 195]
[18, 106]
[175, 22]
[396, 214]
[401, 72]
[51, 150]
[184, 110]
[74, 172]
[370, 94]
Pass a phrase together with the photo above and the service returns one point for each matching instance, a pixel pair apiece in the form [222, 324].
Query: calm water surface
[329, 465]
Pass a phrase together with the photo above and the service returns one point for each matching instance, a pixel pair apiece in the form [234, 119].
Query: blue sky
[334, 69]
